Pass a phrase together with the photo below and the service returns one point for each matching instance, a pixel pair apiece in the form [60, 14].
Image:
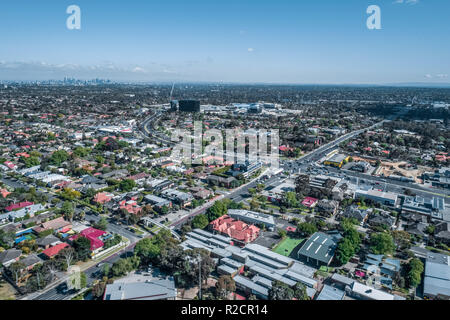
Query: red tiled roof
[4, 193]
[93, 235]
[19, 206]
[308, 201]
[53, 251]
[103, 197]
[235, 229]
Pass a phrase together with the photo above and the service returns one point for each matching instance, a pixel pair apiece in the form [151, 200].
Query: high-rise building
[174, 105]
[189, 105]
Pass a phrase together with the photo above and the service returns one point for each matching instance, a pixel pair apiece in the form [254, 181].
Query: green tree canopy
[381, 243]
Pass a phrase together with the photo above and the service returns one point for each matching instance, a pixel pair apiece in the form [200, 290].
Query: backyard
[6, 291]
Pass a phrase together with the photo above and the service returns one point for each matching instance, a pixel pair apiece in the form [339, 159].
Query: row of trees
[349, 245]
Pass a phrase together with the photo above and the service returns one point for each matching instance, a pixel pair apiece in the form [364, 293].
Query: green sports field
[286, 246]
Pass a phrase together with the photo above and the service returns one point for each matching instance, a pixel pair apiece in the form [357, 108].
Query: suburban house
[381, 218]
[442, 232]
[47, 242]
[57, 225]
[103, 197]
[181, 198]
[94, 236]
[10, 256]
[310, 202]
[157, 202]
[327, 208]
[354, 212]
[228, 182]
[53, 251]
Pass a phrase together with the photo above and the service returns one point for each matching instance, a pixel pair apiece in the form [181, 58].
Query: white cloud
[442, 75]
[250, 49]
[428, 76]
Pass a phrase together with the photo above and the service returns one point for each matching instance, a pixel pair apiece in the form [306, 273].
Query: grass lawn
[6, 291]
[286, 246]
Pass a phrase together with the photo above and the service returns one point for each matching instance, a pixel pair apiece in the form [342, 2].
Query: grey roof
[226, 269]
[46, 240]
[330, 293]
[149, 290]
[9, 255]
[336, 277]
[319, 246]
[247, 283]
[437, 275]
[31, 260]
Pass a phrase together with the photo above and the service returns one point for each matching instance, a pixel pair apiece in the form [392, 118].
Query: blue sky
[282, 41]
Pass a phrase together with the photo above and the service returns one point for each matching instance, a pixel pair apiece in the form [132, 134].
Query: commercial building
[256, 218]
[336, 160]
[437, 276]
[330, 293]
[384, 198]
[182, 198]
[431, 207]
[189, 105]
[157, 201]
[319, 249]
[163, 289]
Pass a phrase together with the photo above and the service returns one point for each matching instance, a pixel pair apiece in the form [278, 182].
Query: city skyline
[232, 42]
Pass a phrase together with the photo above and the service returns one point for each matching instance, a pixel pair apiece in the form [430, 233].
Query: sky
[240, 41]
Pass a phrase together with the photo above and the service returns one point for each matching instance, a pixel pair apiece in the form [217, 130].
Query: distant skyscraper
[174, 105]
[189, 105]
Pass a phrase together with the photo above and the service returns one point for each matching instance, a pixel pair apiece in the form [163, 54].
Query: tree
[68, 255]
[300, 292]
[381, 243]
[344, 251]
[306, 228]
[147, 250]
[281, 291]
[224, 286]
[101, 224]
[217, 210]
[82, 247]
[98, 289]
[68, 210]
[127, 185]
[282, 233]
[290, 199]
[121, 267]
[16, 270]
[59, 157]
[200, 221]
[415, 270]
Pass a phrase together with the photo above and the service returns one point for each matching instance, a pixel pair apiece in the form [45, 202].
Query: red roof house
[310, 202]
[93, 236]
[103, 197]
[53, 251]
[4, 193]
[20, 205]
